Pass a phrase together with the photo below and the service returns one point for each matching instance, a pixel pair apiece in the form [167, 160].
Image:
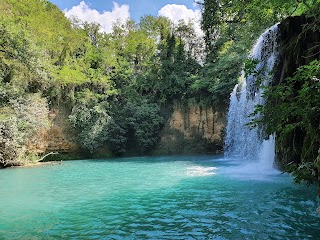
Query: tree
[19, 122]
[90, 119]
[296, 117]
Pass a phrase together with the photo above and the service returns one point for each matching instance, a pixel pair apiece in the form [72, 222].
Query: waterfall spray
[241, 141]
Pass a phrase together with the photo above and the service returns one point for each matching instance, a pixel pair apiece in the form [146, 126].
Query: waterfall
[241, 141]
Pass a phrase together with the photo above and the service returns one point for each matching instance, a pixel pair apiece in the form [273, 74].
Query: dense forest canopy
[119, 87]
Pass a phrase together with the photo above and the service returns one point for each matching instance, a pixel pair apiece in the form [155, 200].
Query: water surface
[155, 198]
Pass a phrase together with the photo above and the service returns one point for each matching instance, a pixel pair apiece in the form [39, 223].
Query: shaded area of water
[154, 198]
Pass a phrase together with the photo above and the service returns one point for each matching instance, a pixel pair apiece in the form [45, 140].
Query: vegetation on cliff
[296, 121]
[118, 87]
[296, 95]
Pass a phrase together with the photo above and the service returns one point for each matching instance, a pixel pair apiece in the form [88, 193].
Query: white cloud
[195, 5]
[105, 19]
[180, 12]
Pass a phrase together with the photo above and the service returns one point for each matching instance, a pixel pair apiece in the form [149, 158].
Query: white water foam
[198, 171]
[241, 141]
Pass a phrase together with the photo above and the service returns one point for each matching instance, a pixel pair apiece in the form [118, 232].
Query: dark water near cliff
[155, 198]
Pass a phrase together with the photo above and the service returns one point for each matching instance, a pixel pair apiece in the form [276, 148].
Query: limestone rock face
[188, 130]
[58, 141]
[192, 130]
[58, 138]
[205, 122]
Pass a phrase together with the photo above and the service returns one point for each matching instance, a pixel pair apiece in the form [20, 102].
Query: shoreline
[38, 164]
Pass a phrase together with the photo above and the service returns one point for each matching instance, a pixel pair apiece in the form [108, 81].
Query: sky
[106, 12]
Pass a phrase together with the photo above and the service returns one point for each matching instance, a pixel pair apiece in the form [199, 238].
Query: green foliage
[122, 127]
[222, 16]
[217, 78]
[10, 146]
[230, 30]
[173, 68]
[297, 115]
[75, 64]
[19, 121]
[136, 127]
[90, 119]
[18, 62]
[32, 113]
[115, 84]
[146, 123]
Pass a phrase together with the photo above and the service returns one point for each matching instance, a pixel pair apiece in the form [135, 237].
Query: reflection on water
[153, 198]
[198, 171]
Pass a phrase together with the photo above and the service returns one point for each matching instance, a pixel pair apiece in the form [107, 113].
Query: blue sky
[137, 8]
[107, 11]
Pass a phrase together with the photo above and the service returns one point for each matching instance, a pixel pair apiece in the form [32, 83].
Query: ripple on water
[168, 198]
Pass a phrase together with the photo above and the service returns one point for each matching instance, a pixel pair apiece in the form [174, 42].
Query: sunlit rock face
[58, 138]
[192, 129]
[196, 120]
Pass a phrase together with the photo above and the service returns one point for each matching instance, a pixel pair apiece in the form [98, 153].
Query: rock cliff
[193, 129]
[299, 43]
[188, 130]
[59, 138]
[196, 120]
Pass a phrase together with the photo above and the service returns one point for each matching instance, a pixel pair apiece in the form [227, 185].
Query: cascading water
[241, 141]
